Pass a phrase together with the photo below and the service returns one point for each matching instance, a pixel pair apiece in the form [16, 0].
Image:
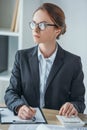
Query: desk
[50, 116]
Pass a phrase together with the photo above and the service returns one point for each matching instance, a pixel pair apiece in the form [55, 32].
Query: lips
[37, 36]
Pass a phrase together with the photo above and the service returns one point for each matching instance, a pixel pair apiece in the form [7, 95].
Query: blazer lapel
[56, 65]
[34, 65]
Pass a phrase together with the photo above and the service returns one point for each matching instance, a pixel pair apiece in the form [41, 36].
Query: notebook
[8, 117]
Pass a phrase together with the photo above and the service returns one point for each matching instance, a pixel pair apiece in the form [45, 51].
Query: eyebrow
[41, 22]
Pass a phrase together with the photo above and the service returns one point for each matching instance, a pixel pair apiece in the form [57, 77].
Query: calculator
[73, 121]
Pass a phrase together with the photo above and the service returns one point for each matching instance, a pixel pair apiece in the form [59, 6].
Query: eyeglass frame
[38, 25]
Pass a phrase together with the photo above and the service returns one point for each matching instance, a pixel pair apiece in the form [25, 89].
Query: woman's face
[49, 34]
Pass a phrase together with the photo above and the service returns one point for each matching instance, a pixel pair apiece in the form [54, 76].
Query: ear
[58, 31]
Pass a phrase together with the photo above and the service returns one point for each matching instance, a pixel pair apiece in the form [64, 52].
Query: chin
[36, 41]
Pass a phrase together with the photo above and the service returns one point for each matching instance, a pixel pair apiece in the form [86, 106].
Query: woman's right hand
[25, 112]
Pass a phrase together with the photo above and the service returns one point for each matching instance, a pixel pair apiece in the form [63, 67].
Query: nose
[37, 28]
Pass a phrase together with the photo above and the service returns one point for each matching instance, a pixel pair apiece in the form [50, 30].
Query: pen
[33, 118]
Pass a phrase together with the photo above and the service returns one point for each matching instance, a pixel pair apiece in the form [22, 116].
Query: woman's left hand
[68, 110]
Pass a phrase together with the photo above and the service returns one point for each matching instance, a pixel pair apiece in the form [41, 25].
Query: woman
[46, 75]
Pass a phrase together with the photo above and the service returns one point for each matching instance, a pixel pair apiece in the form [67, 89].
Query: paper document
[42, 127]
[8, 116]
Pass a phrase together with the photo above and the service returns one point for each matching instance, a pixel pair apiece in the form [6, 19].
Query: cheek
[50, 34]
[45, 36]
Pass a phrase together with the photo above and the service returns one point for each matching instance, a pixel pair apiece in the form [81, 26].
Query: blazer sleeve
[14, 91]
[77, 87]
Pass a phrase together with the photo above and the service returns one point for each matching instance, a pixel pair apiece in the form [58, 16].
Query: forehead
[41, 15]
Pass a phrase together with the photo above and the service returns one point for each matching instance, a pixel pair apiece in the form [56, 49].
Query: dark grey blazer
[64, 83]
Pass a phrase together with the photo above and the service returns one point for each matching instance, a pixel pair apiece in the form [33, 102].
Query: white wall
[75, 39]
[29, 7]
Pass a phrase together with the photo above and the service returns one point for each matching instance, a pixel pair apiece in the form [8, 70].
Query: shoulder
[68, 56]
[71, 56]
[70, 59]
[73, 61]
[26, 52]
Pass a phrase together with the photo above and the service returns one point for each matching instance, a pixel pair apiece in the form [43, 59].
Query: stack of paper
[42, 127]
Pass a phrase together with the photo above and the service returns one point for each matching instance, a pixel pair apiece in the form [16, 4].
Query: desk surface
[50, 116]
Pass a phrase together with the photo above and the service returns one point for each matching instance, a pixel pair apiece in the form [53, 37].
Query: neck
[46, 50]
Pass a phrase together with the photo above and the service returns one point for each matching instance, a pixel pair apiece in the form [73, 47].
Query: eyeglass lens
[41, 26]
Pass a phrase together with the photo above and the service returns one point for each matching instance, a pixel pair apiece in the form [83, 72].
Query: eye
[32, 25]
[42, 26]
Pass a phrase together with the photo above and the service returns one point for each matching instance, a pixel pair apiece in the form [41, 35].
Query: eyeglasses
[42, 26]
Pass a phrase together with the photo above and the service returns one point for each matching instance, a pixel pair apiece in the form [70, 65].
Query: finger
[73, 112]
[69, 110]
[28, 113]
[61, 110]
[32, 110]
[25, 113]
[66, 108]
[23, 116]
